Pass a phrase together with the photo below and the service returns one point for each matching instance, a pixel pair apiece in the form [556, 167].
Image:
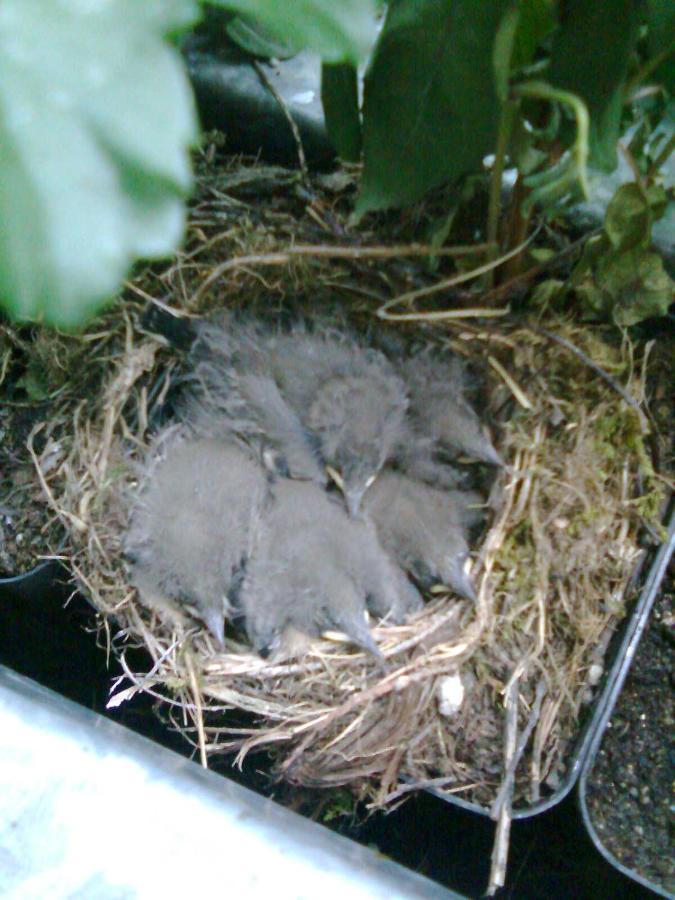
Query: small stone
[595, 674]
[450, 695]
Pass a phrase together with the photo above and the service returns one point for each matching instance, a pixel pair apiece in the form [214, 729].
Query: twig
[386, 252]
[63, 514]
[199, 718]
[661, 158]
[324, 251]
[420, 785]
[300, 150]
[503, 137]
[510, 771]
[454, 281]
[517, 391]
[505, 289]
[500, 848]
[444, 315]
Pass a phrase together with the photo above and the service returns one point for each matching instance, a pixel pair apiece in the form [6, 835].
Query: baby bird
[349, 396]
[234, 392]
[314, 569]
[439, 409]
[318, 398]
[192, 525]
[424, 529]
[358, 421]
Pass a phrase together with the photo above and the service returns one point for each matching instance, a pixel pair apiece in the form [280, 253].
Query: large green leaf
[340, 99]
[589, 57]
[524, 26]
[430, 107]
[96, 120]
[661, 40]
[338, 30]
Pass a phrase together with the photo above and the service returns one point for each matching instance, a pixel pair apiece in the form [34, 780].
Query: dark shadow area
[50, 636]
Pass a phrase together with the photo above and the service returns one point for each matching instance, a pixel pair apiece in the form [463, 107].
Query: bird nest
[471, 696]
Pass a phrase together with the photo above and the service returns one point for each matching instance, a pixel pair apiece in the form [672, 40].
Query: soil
[24, 515]
[630, 789]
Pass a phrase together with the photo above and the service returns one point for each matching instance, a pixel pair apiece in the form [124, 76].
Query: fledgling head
[468, 436]
[451, 570]
[358, 420]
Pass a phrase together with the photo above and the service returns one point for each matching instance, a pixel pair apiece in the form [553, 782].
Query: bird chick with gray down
[425, 529]
[191, 528]
[358, 421]
[319, 398]
[234, 392]
[437, 385]
[301, 360]
[348, 396]
[314, 569]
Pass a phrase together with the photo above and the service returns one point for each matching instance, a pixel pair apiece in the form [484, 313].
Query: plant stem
[544, 91]
[661, 158]
[643, 74]
[494, 207]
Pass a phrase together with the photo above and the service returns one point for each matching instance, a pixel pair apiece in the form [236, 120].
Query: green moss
[342, 803]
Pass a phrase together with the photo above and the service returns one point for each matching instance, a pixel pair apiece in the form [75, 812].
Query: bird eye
[336, 477]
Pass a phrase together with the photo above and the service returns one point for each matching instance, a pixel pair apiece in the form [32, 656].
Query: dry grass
[551, 570]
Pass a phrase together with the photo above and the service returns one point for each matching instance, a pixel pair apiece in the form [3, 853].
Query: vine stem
[494, 206]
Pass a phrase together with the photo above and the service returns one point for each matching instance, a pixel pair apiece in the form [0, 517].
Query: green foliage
[590, 54]
[340, 99]
[341, 31]
[661, 40]
[96, 119]
[257, 40]
[96, 123]
[430, 104]
[523, 28]
[618, 276]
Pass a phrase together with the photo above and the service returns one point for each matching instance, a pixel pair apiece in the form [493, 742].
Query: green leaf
[340, 98]
[257, 40]
[96, 120]
[342, 31]
[661, 40]
[547, 293]
[503, 50]
[523, 28]
[618, 276]
[537, 21]
[637, 283]
[589, 57]
[430, 107]
[628, 218]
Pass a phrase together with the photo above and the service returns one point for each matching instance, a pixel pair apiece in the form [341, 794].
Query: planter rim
[620, 669]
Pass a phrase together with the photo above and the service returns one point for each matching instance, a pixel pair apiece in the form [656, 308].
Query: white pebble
[595, 674]
[450, 694]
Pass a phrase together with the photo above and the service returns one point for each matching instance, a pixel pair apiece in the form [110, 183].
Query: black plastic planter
[624, 658]
[617, 662]
[233, 98]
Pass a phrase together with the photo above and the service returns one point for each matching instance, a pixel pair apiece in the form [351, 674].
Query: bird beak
[354, 499]
[491, 456]
[335, 476]
[353, 496]
[462, 584]
[215, 623]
